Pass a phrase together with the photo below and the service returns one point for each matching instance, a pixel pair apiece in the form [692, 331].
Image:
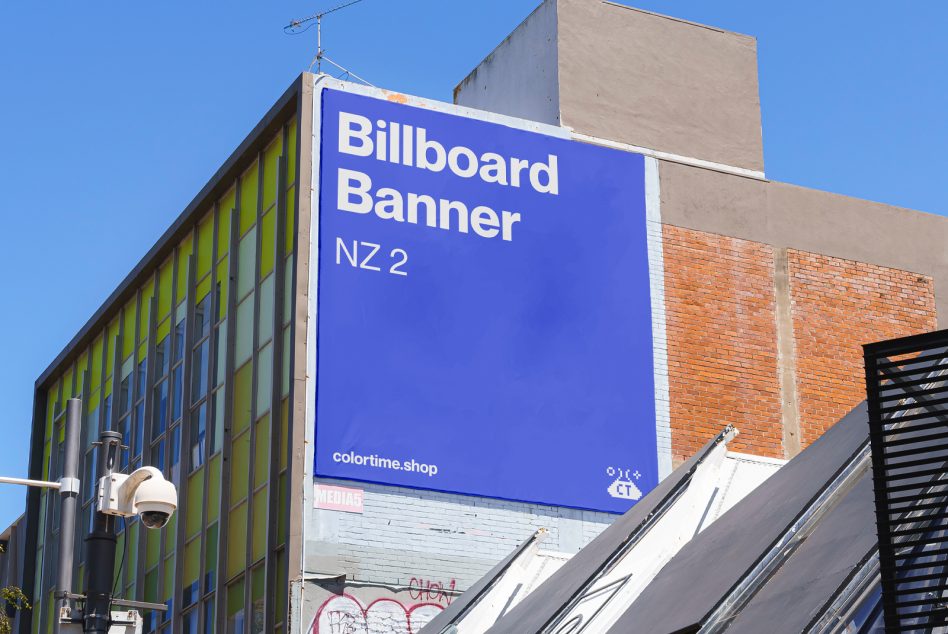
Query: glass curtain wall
[194, 372]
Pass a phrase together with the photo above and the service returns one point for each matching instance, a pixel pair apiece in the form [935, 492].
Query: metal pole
[319, 44]
[69, 496]
[43, 484]
[100, 547]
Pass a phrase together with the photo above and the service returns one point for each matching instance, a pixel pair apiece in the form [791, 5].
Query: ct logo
[623, 487]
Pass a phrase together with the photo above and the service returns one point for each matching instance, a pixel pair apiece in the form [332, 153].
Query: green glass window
[290, 220]
[96, 379]
[169, 579]
[260, 512]
[220, 346]
[205, 246]
[184, 254]
[287, 291]
[235, 607]
[195, 502]
[237, 540]
[271, 158]
[119, 552]
[203, 288]
[264, 378]
[243, 345]
[240, 467]
[243, 384]
[246, 253]
[151, 586]
[192, 562]
[128, 328]
[164, 288]
[148, 291]
[132, 561]
[213, 488]
[265, 321]
[261, 452]
[267, 243]
[152, 548]
[285, 362]
[223, 284]
[292, 129]
[257, 585]
[217, 421]
[227, 204]
[280, 585]
[248, 198]
[113, 333]
[281, 510]
[210, 557]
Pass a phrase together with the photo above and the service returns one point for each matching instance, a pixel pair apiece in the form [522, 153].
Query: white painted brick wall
[405, 533]
[656, 272]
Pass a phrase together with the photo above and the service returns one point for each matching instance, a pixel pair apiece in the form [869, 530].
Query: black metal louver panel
[907, 390]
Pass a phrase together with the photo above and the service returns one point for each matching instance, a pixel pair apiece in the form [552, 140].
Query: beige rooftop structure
[619, 73]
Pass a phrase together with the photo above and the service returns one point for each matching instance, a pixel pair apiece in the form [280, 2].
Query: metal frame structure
[907, 388]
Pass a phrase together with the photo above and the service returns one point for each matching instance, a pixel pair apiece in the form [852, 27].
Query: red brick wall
[722, 338]
[721, 330]
[838, 305]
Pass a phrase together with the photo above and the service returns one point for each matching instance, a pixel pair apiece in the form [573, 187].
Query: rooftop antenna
[302, 25]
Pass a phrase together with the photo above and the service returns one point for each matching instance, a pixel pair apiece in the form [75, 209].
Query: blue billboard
[484, 319]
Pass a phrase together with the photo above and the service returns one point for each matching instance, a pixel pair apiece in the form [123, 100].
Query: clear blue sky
[114, 114]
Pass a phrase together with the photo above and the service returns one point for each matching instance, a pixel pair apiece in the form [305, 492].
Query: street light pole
[144, 493]
[68, 487]
[69, 495]
[100, 547]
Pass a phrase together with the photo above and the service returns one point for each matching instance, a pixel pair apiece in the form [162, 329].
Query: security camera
[155, 519]
[155, 501]
[144, 492]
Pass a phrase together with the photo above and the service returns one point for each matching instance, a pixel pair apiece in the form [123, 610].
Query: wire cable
[118, 573]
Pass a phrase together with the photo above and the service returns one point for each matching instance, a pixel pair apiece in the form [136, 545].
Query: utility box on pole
[127, 622]
[124, 622]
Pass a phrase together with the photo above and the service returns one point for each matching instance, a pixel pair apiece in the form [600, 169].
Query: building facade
[12, 562]
[190, 360]
[203, 358]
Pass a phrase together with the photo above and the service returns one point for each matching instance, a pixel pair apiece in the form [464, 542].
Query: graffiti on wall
[428, 590]
[344, 614]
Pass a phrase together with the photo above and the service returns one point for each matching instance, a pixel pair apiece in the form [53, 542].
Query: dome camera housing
[145, 493]
[155, 501]
[155, 519]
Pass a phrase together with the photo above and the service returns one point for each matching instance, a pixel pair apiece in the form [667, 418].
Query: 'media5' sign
[483, 309]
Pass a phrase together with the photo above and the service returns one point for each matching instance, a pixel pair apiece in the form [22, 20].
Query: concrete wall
[519, 78]
[630, 76]
[659, 82]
